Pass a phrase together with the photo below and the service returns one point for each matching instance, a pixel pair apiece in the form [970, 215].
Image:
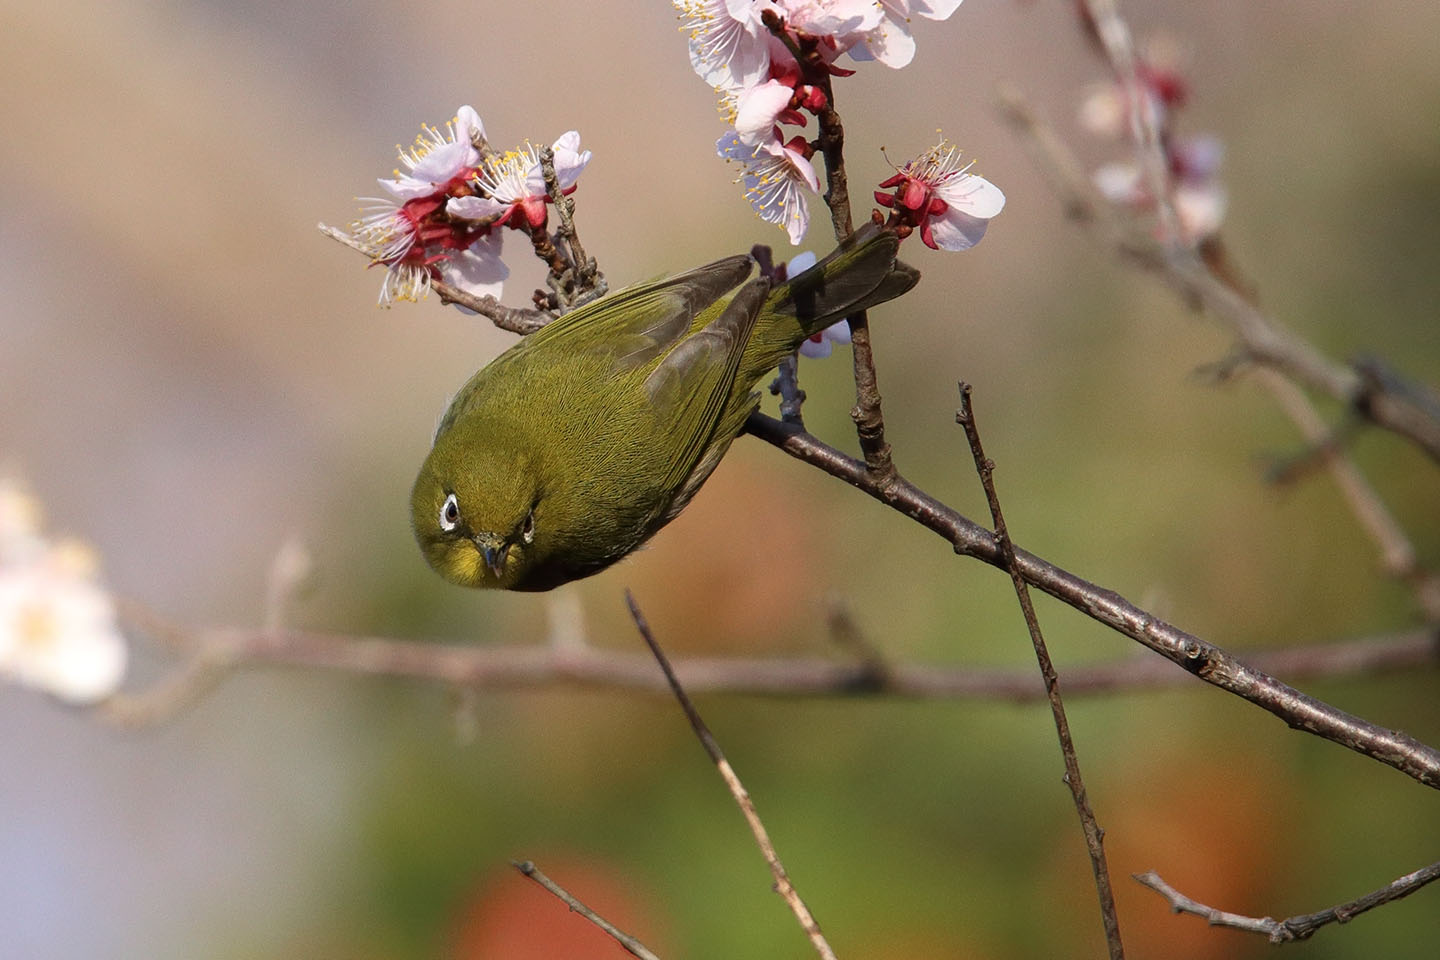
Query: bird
[568, 451]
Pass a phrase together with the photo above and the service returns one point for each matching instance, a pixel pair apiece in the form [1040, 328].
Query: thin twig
[786, 386]
[783, 886]
[633, 946]
[1207, 661]
[1299, 927]
[1094, 836]
[530, 666]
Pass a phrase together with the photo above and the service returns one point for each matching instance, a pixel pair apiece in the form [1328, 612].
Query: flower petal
[974, 195]
[757, 108]
[475, 208]
[478, 270]
[957, 230]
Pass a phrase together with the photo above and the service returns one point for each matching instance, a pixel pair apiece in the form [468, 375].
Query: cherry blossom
[439, 159]
[773, 176]
[937, 195]
[1196, 192]
[513, 184]
[410, 233]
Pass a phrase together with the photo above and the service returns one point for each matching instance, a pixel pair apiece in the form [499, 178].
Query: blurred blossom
[57, 625]
[19, 523]
[514, 183]
[1196, 192]
[936, 194]
[773, 177]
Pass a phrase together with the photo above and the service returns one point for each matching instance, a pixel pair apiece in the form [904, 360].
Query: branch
[632, 946]
[1094, 836]
[1298, 927]
[1210, 663]
[210, 654]
[783, 886]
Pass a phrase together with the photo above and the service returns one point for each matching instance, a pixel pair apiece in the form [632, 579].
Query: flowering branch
[783, 886]
[1299, 927]
[581, 281]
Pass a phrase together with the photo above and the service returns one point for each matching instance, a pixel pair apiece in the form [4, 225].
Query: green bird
[573, 447]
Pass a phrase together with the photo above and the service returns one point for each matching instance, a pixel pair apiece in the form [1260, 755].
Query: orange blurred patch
[510, 917]
[737, 568]
[1211, 831]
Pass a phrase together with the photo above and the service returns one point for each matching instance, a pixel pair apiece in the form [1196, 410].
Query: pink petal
[957, 230]
[974, 195]
[757, 108]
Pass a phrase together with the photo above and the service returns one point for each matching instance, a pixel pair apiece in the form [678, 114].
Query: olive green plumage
[574, 446]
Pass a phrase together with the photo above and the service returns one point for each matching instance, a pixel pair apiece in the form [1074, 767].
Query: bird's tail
[858, 274]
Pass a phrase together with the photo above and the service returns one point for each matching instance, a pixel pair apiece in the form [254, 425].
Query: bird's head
[476, 510]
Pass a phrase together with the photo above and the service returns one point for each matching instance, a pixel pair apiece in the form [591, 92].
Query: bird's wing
[691, 386]
[626, 331]
[637, 325]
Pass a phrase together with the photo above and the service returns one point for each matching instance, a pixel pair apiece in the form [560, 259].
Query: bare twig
[634, 947]
[1094, 836]
[1298, 927]
[506, 318]
[528, 666]
[1210, 663]
[786, 386]
[783, 886]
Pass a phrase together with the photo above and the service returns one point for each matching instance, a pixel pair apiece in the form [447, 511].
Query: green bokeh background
[192, 375]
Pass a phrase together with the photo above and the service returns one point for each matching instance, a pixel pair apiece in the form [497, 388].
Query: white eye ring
[450, 514]
[527, 532]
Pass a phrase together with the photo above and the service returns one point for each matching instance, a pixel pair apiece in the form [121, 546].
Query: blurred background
[192, 374]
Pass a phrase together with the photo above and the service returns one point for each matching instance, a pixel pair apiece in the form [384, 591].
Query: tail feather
[858, 274]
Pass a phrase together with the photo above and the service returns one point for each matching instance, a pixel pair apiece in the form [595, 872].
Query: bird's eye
[527, 532]
[450, 514]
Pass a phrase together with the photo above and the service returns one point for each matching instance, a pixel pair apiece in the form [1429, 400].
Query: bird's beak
[494, 549]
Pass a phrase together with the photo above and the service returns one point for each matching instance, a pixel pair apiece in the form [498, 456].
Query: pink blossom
[937, 195]
[513, 184]
[773, 174]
